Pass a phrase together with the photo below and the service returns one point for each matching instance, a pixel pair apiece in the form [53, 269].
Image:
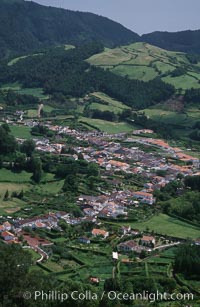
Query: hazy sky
[141, 16]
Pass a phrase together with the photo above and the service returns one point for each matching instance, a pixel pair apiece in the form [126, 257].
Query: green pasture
[109, 127]
[144, 73]
[20, 131]
[112, 104]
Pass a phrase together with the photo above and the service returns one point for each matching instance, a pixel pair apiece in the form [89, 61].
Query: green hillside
[146, 62]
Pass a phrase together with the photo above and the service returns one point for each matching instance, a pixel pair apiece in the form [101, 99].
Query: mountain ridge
[185, 41]
[37, 26]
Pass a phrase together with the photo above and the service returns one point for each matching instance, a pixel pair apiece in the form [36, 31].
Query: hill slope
[185, 41]
[146, 62]
[27, 26]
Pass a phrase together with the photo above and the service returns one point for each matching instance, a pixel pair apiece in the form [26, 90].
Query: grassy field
[12, 204]
[17, 87]
[145, 62]
[144, 73]
[15, 182]
[112, 104]
[37, 92]
[164, 224]
[11, 86]
[109, 127]
[20, 131]
[8, 176]
[184, 81]
[50, 187]
[32, 113]
[183, 120]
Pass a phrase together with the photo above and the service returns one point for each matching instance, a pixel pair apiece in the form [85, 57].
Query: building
[125, 229]
[7, 236]
[146, 198]
[84, 240]
[148, 240]
[130, 246]
[100, 232]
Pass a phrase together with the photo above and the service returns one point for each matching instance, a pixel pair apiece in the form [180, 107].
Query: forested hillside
[67, 73]
[36, 26]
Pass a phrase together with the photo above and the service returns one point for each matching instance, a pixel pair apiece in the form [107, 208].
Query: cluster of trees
[41, 130]
[76, 172]
[192, 95]
[186, 206]
[106, 115]
[193, 182]
[187, 260]
[14, 194]
[23, 156]
[176, 199]
[67, 73]
[195, 135]
[179, 71]
[8, 143]
[193, 58]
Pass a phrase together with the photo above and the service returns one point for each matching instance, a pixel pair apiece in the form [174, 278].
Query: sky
[141, 16]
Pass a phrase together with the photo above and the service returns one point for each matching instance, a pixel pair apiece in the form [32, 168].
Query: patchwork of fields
[145, 62]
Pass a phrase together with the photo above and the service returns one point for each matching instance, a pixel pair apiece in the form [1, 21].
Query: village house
[34, 241]
[7, 236]
[143, 131]
[148, 240]
[145, 197]
[130, 246]
[94, 280]
[125, 229]
[100, 232]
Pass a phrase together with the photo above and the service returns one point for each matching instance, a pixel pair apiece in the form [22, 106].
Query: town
[107, 215]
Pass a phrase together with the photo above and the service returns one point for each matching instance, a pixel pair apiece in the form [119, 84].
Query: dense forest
[36, 26]
[187, 261]
[192, 95]
[67, 72]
